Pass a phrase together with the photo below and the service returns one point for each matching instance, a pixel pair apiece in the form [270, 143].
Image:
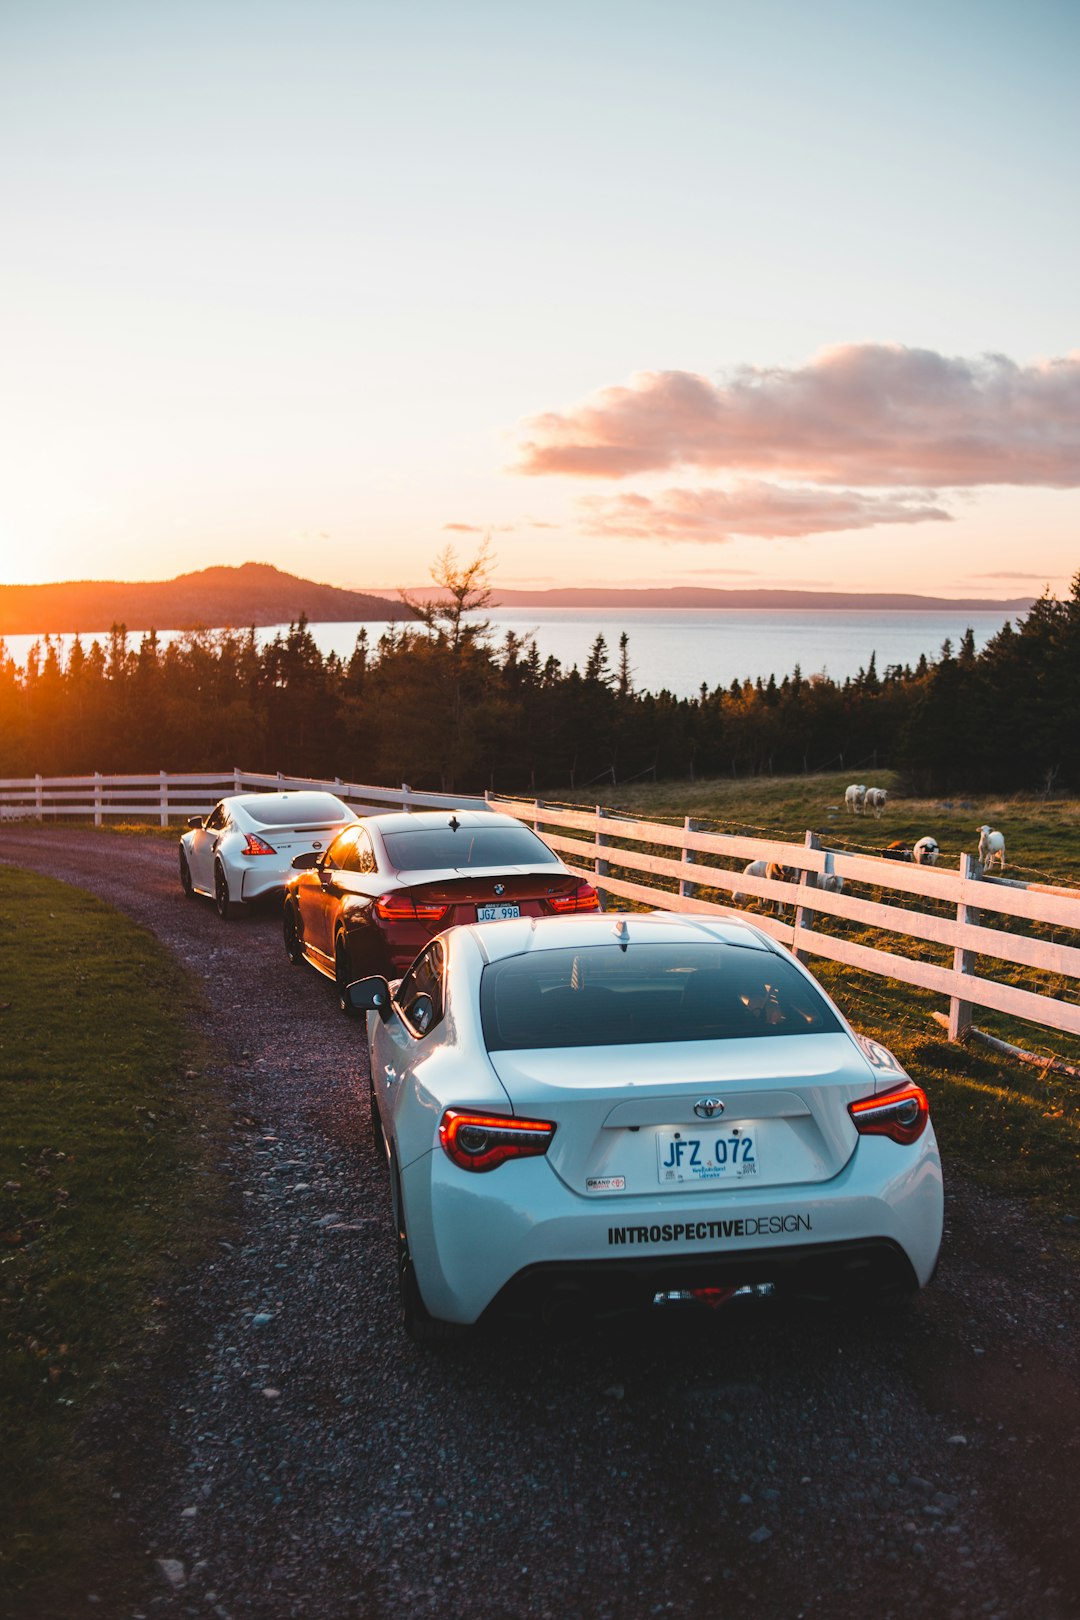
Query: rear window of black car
[605, 995]
[425, 848]
[298, 810]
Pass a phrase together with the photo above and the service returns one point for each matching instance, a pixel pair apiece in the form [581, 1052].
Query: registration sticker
[497, 913]
[605, 1183]
[723, 1154]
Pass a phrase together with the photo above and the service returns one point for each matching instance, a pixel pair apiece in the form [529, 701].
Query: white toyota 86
[602, 1113]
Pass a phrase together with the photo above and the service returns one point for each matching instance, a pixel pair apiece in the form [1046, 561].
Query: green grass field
[108, 1189]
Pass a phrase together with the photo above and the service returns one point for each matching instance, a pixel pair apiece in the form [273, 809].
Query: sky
[687, 292]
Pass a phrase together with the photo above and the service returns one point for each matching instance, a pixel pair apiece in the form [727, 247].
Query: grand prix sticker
[605, 1183]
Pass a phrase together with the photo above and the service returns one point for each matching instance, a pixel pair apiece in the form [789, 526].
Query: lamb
[874, 799]
[828, 882]
[926, 852]
[764, 869]
[853, 798]
[991, 849]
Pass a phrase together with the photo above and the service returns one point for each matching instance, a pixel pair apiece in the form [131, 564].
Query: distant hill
[254, 593]
[693, 596]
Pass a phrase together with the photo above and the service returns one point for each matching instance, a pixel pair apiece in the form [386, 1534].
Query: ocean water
[681, 649]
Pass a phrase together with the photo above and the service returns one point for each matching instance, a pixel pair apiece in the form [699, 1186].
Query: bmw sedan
[608, 1113]
[244, 849]
[384, 887]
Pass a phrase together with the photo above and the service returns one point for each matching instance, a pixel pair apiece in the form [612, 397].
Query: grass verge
[107, 1191]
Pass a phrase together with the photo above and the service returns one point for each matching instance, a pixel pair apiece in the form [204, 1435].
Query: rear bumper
[258, 882]
[868, 1269]
[506, 1238]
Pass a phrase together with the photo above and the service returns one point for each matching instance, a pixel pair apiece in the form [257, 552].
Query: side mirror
[196, 821]
[370, 995]
[304, 862]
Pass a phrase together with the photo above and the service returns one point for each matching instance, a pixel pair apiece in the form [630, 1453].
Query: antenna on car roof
[454, 823]
[622, 933]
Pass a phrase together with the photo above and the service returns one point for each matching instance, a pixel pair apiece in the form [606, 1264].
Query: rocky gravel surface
[285, 1451]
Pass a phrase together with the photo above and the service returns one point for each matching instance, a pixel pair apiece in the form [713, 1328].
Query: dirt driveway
[294, 1455]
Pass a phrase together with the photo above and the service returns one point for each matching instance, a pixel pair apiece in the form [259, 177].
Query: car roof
[418, 820]
[534, 934]
[307, 802]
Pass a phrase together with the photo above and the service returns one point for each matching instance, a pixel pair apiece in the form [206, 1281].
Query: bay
[681, 649]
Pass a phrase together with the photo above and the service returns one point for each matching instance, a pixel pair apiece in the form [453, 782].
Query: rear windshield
[299, 810]
[425, 848]
[605, 995]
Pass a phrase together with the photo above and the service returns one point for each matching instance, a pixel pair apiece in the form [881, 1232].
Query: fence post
[405, 791]
[963, 961]
[39, 798]
[687, 890]
[536, 815]
[600, 866]
[97, 799]
[237, 779]
[804, 914]
[164, 798]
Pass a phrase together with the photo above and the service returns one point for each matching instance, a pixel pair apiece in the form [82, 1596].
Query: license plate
[727, 1154]
[497, 913]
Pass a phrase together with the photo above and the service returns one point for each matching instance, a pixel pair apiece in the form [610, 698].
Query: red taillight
[257, 846]
[901, 1114]
[403, 908]
[484, 1141]
[583, 898]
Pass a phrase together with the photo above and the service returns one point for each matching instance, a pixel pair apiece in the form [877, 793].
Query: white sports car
[605, 1112]
[244, 849]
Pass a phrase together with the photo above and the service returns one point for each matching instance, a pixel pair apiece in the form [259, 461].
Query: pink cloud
[751, 507]
[868, 414]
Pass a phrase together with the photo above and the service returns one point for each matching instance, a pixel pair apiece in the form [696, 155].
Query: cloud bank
[869, 415]
[752, 507]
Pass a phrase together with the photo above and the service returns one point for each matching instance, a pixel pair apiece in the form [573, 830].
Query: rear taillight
[402, 908]
[583, 898]
[256, 846]
[902, 1114]
[484, 1141]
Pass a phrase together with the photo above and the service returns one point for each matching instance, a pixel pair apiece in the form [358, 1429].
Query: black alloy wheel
[226, 908]
[290, 928]
[343, 977]
[185, 876]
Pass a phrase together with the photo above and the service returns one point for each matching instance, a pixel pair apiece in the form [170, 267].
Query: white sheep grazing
[853, 798]
[827, 882]
[874, 799]
[991, 849]
[926, 852]
[764, 869]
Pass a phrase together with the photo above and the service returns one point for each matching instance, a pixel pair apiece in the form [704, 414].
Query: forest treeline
[439, 704]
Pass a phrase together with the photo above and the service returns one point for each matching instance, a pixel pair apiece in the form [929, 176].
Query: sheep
[853, 798]
[827, 882]
[874, 799]
[991, 849]
[926, 852]
[764, 869]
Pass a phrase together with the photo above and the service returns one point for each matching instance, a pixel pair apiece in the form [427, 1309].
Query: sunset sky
[705, 293]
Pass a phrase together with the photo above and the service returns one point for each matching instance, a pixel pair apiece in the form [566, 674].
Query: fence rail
[668, 867]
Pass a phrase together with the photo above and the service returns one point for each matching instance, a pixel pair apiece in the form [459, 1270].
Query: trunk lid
[627, 1123]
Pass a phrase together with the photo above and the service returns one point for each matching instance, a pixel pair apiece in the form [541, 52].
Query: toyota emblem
[708, 1107]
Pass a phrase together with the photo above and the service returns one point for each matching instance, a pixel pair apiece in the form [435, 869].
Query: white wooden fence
[608, 849]
[680, 869]
[166, 797]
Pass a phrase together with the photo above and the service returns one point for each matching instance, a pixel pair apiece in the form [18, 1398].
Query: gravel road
[287, 1452]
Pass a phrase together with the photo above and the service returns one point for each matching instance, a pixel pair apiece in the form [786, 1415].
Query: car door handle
[390, 1073]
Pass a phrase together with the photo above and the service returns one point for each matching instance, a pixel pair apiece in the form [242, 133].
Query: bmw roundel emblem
[500, 888]
[708, 1108]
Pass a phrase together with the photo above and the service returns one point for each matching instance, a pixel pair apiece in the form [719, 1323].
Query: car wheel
[185, 876]
[343, 977]
[290, 928]
[416, 1319]
[226, 908]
